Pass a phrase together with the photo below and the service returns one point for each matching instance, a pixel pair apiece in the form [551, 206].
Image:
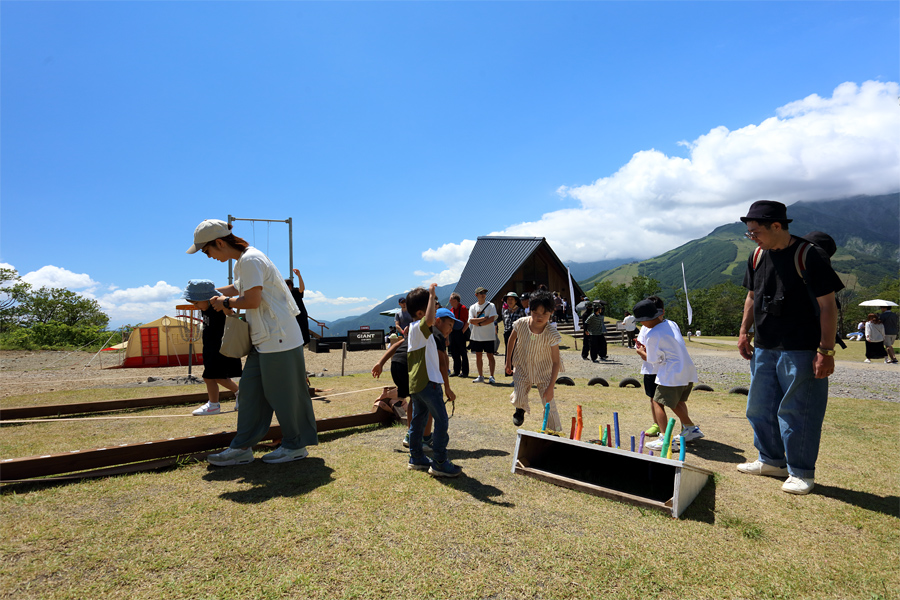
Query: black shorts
[487, 346]
[650, 385]
[400, 375]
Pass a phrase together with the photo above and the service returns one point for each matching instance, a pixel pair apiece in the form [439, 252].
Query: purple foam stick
[641, 447]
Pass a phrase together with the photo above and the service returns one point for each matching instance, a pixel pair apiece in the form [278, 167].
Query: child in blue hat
[217, 368]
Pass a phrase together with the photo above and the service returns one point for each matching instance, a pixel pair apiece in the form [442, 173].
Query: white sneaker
[231, 456]
[887, 361]
[207, 409]
[283, 455]
[758, 467]
[867, 361]
[491, 379]
[691, 432]
[798, 485]
[657, 444]
[478, 379]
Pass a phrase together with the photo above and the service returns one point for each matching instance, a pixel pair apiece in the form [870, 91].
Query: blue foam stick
[681, 449]
[546, 416]
[616, 424]
[632, 443]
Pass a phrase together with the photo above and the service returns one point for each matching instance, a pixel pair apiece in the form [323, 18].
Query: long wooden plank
[81, 460]
[53, 410]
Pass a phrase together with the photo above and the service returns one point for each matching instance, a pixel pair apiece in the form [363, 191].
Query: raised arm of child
[432, 305]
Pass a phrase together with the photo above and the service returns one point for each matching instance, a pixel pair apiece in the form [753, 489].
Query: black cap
[646, 310]
[767, 210]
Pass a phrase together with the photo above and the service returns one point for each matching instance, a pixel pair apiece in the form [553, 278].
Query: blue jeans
[430, 400]
[786, 407]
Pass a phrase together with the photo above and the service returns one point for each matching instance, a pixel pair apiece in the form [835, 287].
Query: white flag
[572, 300]
[689, 310]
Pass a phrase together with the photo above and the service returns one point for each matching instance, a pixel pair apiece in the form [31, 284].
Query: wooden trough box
[640, 479]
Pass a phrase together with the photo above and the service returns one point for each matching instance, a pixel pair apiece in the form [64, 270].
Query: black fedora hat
[767, 210]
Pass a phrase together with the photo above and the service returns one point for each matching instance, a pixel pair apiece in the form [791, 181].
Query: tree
[59, 305]
[12, 292]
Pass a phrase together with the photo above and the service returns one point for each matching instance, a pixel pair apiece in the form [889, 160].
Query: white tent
[163, 343]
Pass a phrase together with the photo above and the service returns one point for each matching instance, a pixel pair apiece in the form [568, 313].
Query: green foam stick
[602, 436]
[667, 440]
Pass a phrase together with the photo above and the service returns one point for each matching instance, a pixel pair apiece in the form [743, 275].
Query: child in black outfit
[217, 369]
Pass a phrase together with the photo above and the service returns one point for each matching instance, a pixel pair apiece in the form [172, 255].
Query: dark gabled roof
[493, 262]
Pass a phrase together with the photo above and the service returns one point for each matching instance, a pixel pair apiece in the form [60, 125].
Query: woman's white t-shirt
[273, 326]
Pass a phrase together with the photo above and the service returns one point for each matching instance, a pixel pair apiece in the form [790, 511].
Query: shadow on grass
[273, 481]
[717, 451]
[703, 508]
[480, 491]
[887, 505]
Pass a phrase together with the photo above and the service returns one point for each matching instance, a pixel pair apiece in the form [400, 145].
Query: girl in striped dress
[533, 359]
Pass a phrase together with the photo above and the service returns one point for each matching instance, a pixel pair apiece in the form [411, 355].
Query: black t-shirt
[400, 353]
[791, 321]
[213, 329]
[889, 319]
[439, 340]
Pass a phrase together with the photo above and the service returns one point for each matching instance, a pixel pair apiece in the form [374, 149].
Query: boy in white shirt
[675, 371]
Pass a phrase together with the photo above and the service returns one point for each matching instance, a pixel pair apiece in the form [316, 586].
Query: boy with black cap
[675, 375]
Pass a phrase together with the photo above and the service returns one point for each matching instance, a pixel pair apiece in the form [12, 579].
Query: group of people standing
[880, 334]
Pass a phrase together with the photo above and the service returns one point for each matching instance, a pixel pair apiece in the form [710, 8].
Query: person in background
[217, 368]
[297, 295]
[595, 329]
[875, 347]
[891, 329]
[525, 301]
[482, 315]
[402, 319]
[458, 337]
[512, 313]
[630, 328]
[274, 377]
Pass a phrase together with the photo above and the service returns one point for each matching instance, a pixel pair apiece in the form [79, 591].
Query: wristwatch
[227, 304]
[825, 351]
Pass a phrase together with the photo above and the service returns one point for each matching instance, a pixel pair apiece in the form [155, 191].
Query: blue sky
[394, 134]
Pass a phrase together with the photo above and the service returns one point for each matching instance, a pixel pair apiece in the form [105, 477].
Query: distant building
[513, 264]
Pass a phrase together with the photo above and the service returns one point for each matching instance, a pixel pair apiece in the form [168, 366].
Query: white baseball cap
[207, 231]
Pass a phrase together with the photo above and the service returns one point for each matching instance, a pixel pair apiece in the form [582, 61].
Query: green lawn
[352, 522]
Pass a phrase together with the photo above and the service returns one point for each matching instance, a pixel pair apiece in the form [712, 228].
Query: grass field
[352, 522]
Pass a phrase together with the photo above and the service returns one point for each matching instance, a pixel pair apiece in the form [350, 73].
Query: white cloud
[813, 149]
[452, 255]
[313, 297]
[57, 277]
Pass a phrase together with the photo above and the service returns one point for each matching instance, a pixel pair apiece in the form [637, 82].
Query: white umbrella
[878, 303]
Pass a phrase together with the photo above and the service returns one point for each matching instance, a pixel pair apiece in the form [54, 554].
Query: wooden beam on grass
[17, 469]
[55, 410]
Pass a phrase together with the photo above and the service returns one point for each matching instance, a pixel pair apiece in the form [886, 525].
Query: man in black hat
[795, 324]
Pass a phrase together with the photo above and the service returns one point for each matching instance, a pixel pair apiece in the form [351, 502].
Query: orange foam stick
[579, 426]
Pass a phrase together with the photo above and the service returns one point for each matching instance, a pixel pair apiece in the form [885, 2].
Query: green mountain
[375, 320]
[866, 230]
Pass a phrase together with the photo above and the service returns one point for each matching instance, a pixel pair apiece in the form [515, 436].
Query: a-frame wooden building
[513, 264]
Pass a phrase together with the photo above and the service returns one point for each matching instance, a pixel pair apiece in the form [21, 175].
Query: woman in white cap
[274, 378]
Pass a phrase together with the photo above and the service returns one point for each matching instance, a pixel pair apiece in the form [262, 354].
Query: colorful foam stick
[641, 446]
[579, 425]
[632, 443]
[608, 436]
[681, 448]
[616, 426]
[667, 439]
[546, 416]
[572, 433]
[669, 453]
[602, 435]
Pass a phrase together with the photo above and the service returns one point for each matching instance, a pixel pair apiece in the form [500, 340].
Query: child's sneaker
[428, 440]
[207, 409]
[406, 440]
[491, 379]
[444, 469]
[657, 444]
[518, 417]
[479, 379]
[652, 430]
[422, 464]
[691, 432]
